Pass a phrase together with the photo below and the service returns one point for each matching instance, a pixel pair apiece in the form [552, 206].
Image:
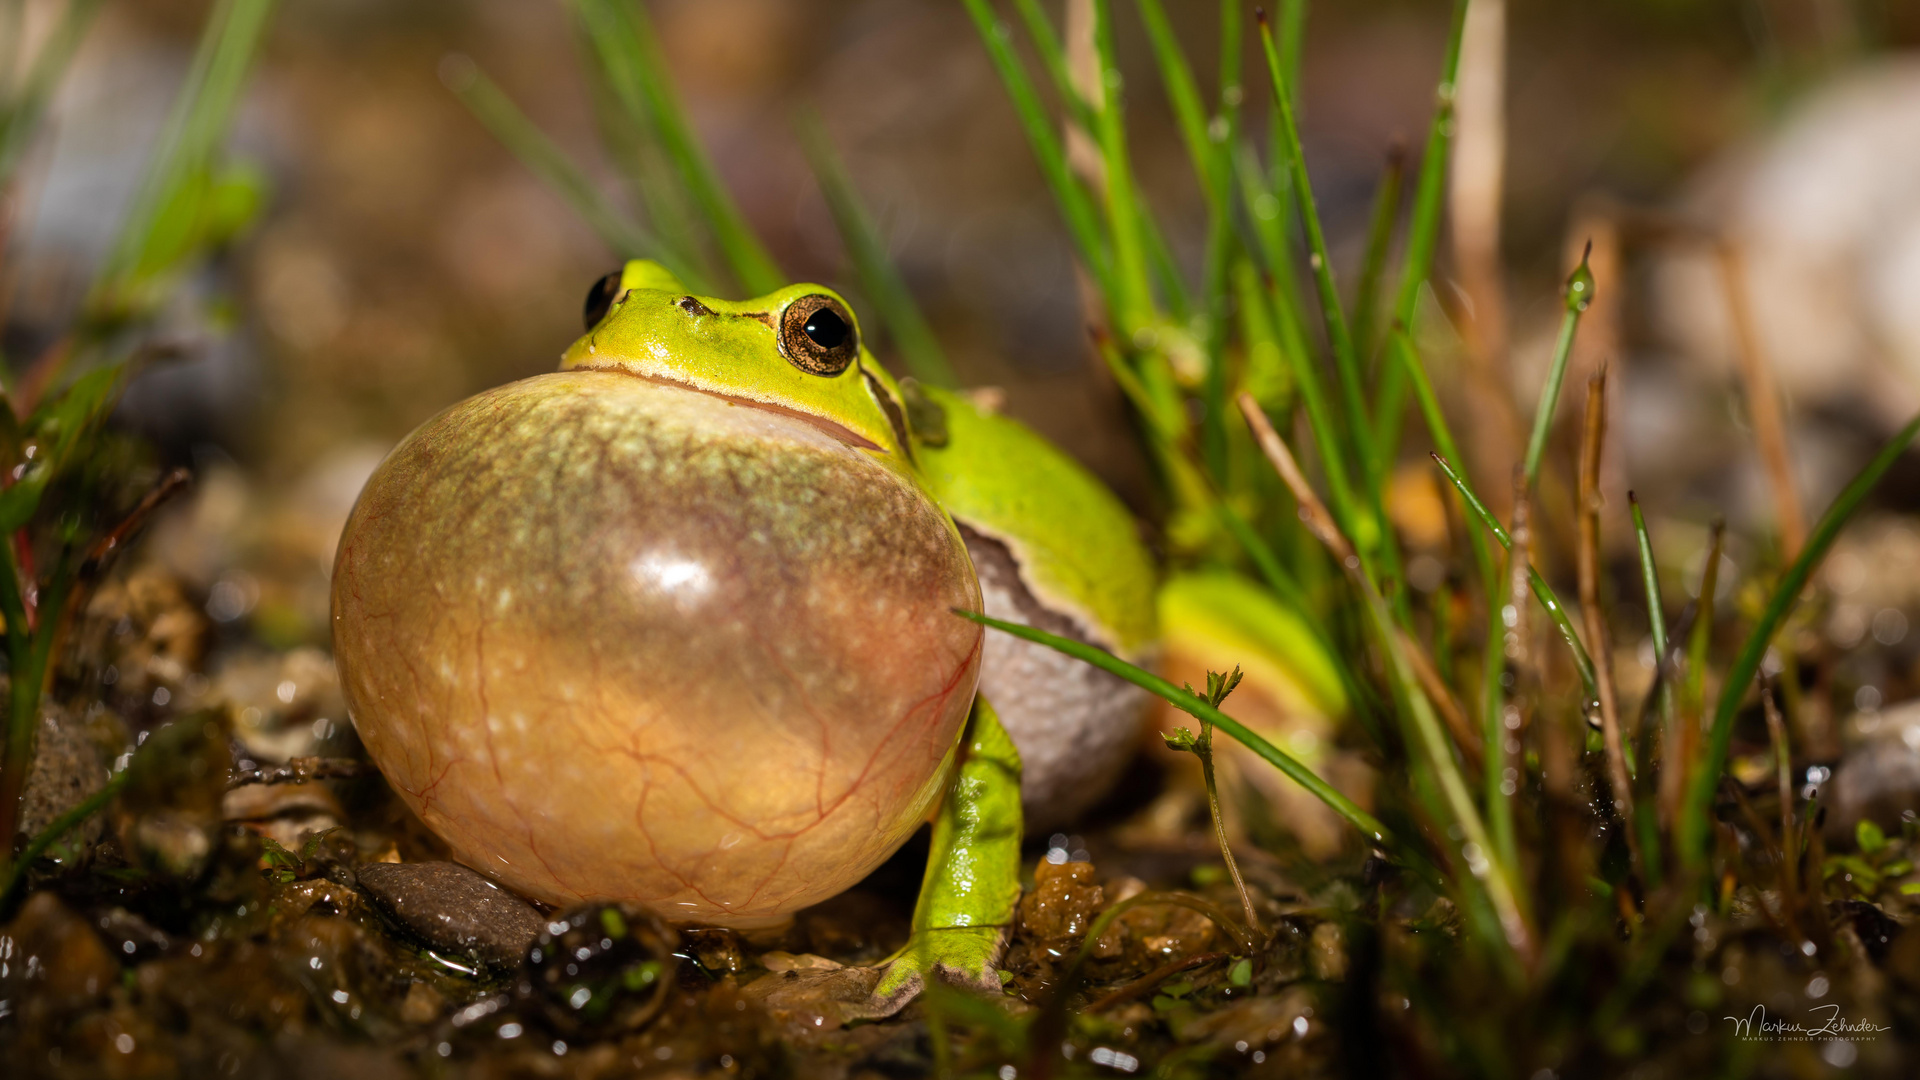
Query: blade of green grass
[1386, 210]
[13, 17]
[526, 141]
[1650, 579]
[1423, 231]
[1196, 707]
[1700, 640]
[1338, 337]
[16, 872]
[1152, 391]
[1292, 35]
[1367, 522]
[1076, 206]
[1494, 733]
[1165, 268]
[1694, 821]
[169, 209]
[1408, 358]
[1541, 590]
[878, 275]
[1579, 295]
[1434, 756]
[24, 111]
[628, 133]
[1222, 243]
[1649, 823]
[1283, 585]
[1053, 57]
[1131, 300]
[1183, 92]
[1321, 422]
[625, 27]
[1263, 371]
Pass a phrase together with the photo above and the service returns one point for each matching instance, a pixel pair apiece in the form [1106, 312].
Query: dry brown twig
[1591, 443]
[1319, 520]
[1763, 400]
[1518, 648]
[1783, 766]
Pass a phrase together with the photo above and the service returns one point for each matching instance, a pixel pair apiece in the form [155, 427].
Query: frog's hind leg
[966, 906]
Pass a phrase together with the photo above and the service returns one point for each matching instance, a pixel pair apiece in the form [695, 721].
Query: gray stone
[1879, 777]
[67, 770]
[453, 909]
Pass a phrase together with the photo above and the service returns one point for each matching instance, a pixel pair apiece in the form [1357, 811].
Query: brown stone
[453, 909]
[52, 962]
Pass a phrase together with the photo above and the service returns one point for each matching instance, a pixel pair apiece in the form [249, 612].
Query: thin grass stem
[21, 117]
[1386, 211]
[1076, 206]
[1321, 422]
[1588, 557]
[1131, 298]
[1192, 705]
[880, 278]
[1700, 640]
[1338, 335]
[16, 873]
[167, 213]
[1695, 819]
[1053, 57]
[1288, 590]
[521, 136]
[1501, 778]
[1423, 231]
[1541, 590]
[1579, 294]
[1415, 373]
[1650, 579]
[1763, 400]
[1183, 92]
[1783, 773]
[631, 138]
[1483, 861]
[627, 29]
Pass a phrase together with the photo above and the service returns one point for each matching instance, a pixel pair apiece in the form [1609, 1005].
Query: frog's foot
[966, 956]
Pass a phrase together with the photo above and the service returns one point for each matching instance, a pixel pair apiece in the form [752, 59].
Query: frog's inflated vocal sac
[675, 625]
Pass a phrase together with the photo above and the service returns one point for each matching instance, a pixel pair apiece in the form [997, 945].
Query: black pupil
[827, 329]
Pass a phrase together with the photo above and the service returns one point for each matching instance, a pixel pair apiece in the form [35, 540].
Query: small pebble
[453, 909]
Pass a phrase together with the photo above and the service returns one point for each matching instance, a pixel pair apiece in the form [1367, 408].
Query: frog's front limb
[965, 911]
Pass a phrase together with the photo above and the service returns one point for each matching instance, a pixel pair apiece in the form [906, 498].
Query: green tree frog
[674, 624]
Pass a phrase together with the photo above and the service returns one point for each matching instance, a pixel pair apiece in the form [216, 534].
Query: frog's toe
[965, 956]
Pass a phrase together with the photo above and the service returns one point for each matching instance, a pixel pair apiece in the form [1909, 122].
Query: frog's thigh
[966, 905]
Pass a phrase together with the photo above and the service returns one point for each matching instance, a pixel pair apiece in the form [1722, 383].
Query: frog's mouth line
[838, 431]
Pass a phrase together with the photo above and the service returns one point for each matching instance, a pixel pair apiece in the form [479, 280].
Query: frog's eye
[817, 335]
[600, 298]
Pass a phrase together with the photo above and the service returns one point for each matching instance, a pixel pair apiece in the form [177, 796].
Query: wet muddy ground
[258, 903]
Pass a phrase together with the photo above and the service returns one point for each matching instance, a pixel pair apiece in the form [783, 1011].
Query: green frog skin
[673, 625]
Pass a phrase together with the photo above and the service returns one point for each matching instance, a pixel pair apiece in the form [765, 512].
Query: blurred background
[406, 260]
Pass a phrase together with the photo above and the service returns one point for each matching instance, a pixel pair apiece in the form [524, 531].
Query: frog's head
[797, 349]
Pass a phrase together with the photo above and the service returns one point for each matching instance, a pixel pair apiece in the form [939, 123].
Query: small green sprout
[1869, 836]
[1219, 686]
[1201, 746]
